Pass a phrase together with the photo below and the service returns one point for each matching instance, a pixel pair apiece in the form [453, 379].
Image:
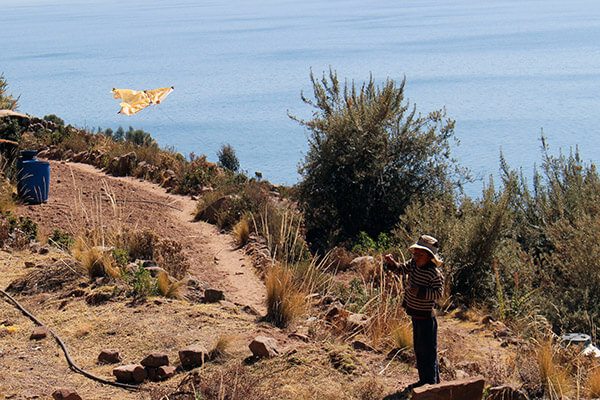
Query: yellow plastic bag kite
[136, 100]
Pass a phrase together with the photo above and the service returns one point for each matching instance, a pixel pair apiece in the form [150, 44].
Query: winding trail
[83, 196]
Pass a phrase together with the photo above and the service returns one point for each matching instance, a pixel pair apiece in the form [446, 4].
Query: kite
[136, 100]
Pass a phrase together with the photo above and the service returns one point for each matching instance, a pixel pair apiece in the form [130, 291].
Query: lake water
[503, 69]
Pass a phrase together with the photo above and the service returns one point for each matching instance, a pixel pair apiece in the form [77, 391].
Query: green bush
[228, 159]
[141, 282]
[61, 239]
[370, 155]
[7, 101]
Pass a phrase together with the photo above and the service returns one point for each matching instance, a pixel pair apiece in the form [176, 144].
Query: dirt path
[81, 195]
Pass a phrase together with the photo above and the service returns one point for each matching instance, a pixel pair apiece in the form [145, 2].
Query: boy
[424, 287]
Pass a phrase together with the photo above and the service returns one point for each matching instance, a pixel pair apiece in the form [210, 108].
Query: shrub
[370, 155]
[7, 101]
[228, 159]
[61, 240]
[54, 119]
[141, 282]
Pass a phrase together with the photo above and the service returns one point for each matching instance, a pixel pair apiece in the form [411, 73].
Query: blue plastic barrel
[33, 178]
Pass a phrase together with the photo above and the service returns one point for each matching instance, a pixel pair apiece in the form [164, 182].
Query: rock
[364, 346]
[109, 357]
[100, 295]
[193, 356]
[166, 372]
[34, 247]
[123, 165]
[357, 321]
[362, 263]
[463, 389]
[39, 332]
[264, 347]
[487, 319]
[65, 394]
[43, 250]
[29, 264]
[404, 355]
[213, 295]
[133, 373]
[250, 310]
[155, 360]
[446, 365]
[505, 392]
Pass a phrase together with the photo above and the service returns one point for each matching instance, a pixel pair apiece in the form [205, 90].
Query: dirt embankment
[81, 195]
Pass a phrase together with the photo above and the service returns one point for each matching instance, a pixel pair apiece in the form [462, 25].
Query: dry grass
[168, 288]
[285, 302]
[219, 350]
[593, 383]
[401, 336]
[383, 309]
[241, 232]
[555, 379]
[7, 202]
[369, 388]
[97, 261]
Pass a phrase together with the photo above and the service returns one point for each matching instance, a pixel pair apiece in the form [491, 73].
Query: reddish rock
[263, 346]
[166, 372]
[39, 332]
[109, 357]
[155, 360]
[192, 356]
[133, 373]
[464, 389]
[65, 394]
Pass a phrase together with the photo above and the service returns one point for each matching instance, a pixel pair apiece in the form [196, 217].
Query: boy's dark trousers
[425, 342]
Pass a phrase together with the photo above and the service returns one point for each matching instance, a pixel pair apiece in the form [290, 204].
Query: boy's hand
[389, 259]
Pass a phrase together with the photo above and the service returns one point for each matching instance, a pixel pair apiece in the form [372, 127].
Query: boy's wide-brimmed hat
[430, 245]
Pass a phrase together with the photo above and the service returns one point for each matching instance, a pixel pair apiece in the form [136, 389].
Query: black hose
[62, 345]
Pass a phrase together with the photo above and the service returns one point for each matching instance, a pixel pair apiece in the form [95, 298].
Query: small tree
[370, 155]
[7, 101]
[228, 159]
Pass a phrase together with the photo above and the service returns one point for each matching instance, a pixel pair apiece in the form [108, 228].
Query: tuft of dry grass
[401, 336]
[555, 379]
[285, 302]
[169, 288]
[219, 350]
[593, 383]
[241, 232]
[7, 202]
[96, 260]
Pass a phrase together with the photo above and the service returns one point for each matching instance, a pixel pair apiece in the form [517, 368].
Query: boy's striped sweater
[429, 282]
